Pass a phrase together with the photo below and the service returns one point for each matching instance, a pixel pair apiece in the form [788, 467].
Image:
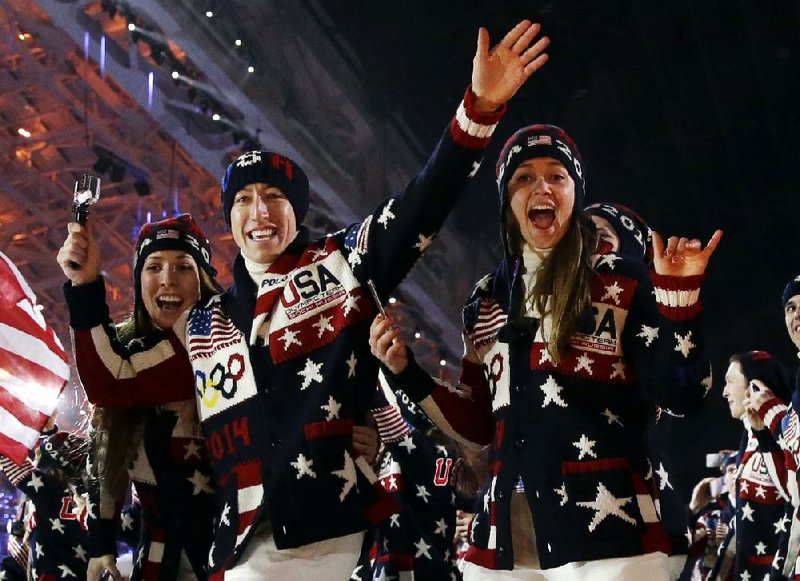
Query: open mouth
[262, 234]
[169, 302]
[542, 216]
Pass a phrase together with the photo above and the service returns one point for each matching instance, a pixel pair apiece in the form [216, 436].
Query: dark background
[686, 111]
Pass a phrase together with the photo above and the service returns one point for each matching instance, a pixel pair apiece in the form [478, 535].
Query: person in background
[761, 499]
[55, 483]
[565, 352]
[622, 231]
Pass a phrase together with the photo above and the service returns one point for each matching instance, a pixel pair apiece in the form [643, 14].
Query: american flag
[33, 365]
[490, 319]
[208, 331]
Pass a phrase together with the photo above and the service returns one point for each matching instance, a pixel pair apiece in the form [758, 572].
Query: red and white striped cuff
[471, 128]
[771, 413]
[678, 297]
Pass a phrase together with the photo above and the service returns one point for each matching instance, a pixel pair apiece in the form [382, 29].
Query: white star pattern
[584, 362]
[747, 512]
[649, 334]
[386, 215]
[36, 482]
[608, 259]
[408, 444]
[80, 553]
[66, 572]
[744, 485]
[126, 522]
[544, 356]
[611, 417]
[201, 483]
[612, 292]
[311, 372]
[776, 560]
[423, 548]
[441, 527]
[223, 518]
[289, 338]
[354, 258]
[780, 525]
[319, 253]
[57, 525]
[423, 242]
[584, 446]
[663, 477]
[348, 474]
[552, 393]
[392, 482]
[606, 504]
[394, 521]
[761, 548]
[332, 408]
[562, 492]
[192, 449]
[356, 576]
[745, 576]
[423, 493]
[39, 551]
[618, 370]
[351, 364]
[476, 165]
[350, 303]
[685, 344]
[323, 324]
[303, 466]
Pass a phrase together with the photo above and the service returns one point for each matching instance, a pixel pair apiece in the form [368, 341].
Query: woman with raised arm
[561, 347]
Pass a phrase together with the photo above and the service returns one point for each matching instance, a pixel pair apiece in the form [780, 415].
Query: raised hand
[498, 73]
[682, 257]
[387, 344]
[80, 248]
[757, 395]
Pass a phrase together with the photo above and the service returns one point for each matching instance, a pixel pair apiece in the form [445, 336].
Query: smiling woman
[157, 448]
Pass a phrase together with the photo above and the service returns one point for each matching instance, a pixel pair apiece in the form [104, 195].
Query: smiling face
[791, 316]
[262, 222]
[735, 389]
[170, 285]
[542, 197]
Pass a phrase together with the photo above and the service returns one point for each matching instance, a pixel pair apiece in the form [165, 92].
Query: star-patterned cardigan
[572, 431]
[760, 512]
[780, 444]
[173, 485]
[58, 539]
[418, 540]
[277, 407]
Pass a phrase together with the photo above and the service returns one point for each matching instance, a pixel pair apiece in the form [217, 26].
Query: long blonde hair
[117, 432]
[563, 286]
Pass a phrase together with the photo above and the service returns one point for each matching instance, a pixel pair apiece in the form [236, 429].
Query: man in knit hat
[281, 361]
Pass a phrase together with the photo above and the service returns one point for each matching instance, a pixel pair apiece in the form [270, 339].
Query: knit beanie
[264, 167]
[540, 141]
[764, 367]
[791, 289]
[635, 236]
[178, 233]
[64, 451]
